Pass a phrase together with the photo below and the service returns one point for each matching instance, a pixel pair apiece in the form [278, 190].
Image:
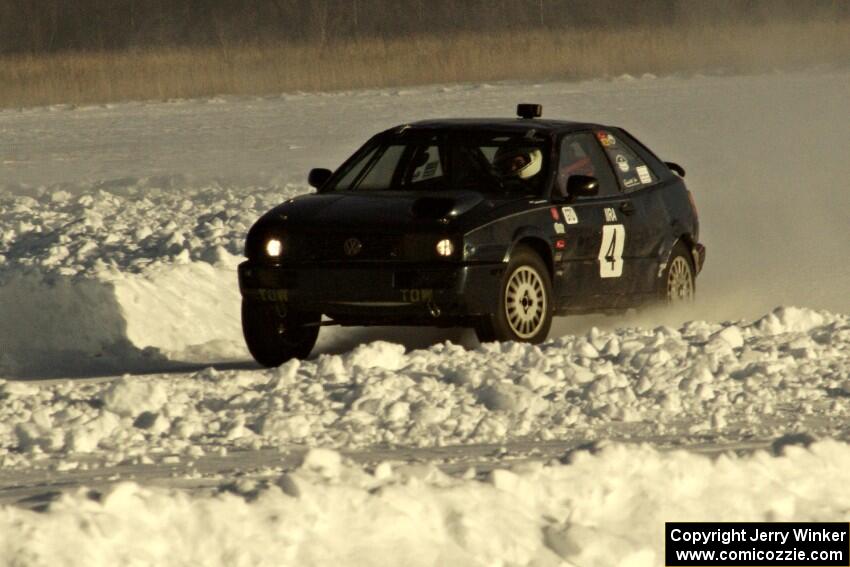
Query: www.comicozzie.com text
[756, 534]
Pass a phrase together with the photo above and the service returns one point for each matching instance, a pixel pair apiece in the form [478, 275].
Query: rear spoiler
[675, 167]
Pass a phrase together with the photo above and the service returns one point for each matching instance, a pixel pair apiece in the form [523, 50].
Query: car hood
[385, 210]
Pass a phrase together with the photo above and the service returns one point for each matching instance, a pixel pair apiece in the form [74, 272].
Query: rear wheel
[677, 283]
[274, 334]
[525, 306]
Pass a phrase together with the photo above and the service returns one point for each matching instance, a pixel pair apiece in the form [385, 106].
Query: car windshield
[421, 161]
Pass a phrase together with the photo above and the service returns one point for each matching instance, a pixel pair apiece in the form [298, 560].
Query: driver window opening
[580, 155]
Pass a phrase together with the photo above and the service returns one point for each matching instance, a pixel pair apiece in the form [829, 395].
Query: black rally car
[495, 224]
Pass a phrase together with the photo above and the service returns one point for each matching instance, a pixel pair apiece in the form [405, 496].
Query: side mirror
[582, 186]
[675, 167]
[318, 177]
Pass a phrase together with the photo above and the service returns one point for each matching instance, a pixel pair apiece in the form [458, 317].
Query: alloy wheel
[680, 281]
[525, 302]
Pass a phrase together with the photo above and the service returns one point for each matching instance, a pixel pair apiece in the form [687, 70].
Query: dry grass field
[163, 73]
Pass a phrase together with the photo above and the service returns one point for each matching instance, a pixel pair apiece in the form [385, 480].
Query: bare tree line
[45, 26]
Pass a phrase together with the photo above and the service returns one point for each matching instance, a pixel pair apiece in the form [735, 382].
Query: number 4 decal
[611, 251]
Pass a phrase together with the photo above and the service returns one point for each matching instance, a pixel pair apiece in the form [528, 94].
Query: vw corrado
[494, 224]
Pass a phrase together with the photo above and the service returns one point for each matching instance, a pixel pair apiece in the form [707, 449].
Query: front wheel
[525, 307]
[274, 334]
[677, 283]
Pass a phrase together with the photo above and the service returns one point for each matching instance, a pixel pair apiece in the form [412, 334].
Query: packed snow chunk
[11, 389]
[86, 437]
[505, 396]
[594, 545]
[731, 335]
[46, 316]
[288, 427]
[790, 319]
[378, 354]
[29, 436]
[285, 375]
[332, 368]
[538, 381]
[323, 461]
[122, 497]
[130, 396]
[505, 480]
[195, 303]
[426, 415]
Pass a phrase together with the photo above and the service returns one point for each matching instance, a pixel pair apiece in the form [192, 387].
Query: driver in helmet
[518, 162]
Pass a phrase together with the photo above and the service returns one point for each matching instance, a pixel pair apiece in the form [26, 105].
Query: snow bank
[128, 225]
[605, 507]
[119, 273]
[788, 371]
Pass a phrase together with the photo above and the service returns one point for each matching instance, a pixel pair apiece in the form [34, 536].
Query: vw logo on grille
[352, 247]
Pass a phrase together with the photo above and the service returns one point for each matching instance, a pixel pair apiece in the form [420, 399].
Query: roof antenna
[529, 111]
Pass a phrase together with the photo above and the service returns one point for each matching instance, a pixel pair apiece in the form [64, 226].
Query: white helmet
[523, 163]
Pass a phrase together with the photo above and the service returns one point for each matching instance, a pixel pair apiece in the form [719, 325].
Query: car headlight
[445, 247]
[274, 247]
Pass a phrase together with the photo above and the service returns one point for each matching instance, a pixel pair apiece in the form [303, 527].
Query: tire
[677, 283]
[273, 338]
[524, 313]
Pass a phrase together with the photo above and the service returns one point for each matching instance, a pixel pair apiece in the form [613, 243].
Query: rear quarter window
[647, 155]
[632, 170]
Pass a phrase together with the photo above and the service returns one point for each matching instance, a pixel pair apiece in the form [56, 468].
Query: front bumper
[378, 293]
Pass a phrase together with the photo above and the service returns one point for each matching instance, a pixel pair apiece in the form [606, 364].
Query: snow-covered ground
[605, 506]
[120, 229]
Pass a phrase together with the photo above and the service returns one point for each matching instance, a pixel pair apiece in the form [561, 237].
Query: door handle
[627, 208]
